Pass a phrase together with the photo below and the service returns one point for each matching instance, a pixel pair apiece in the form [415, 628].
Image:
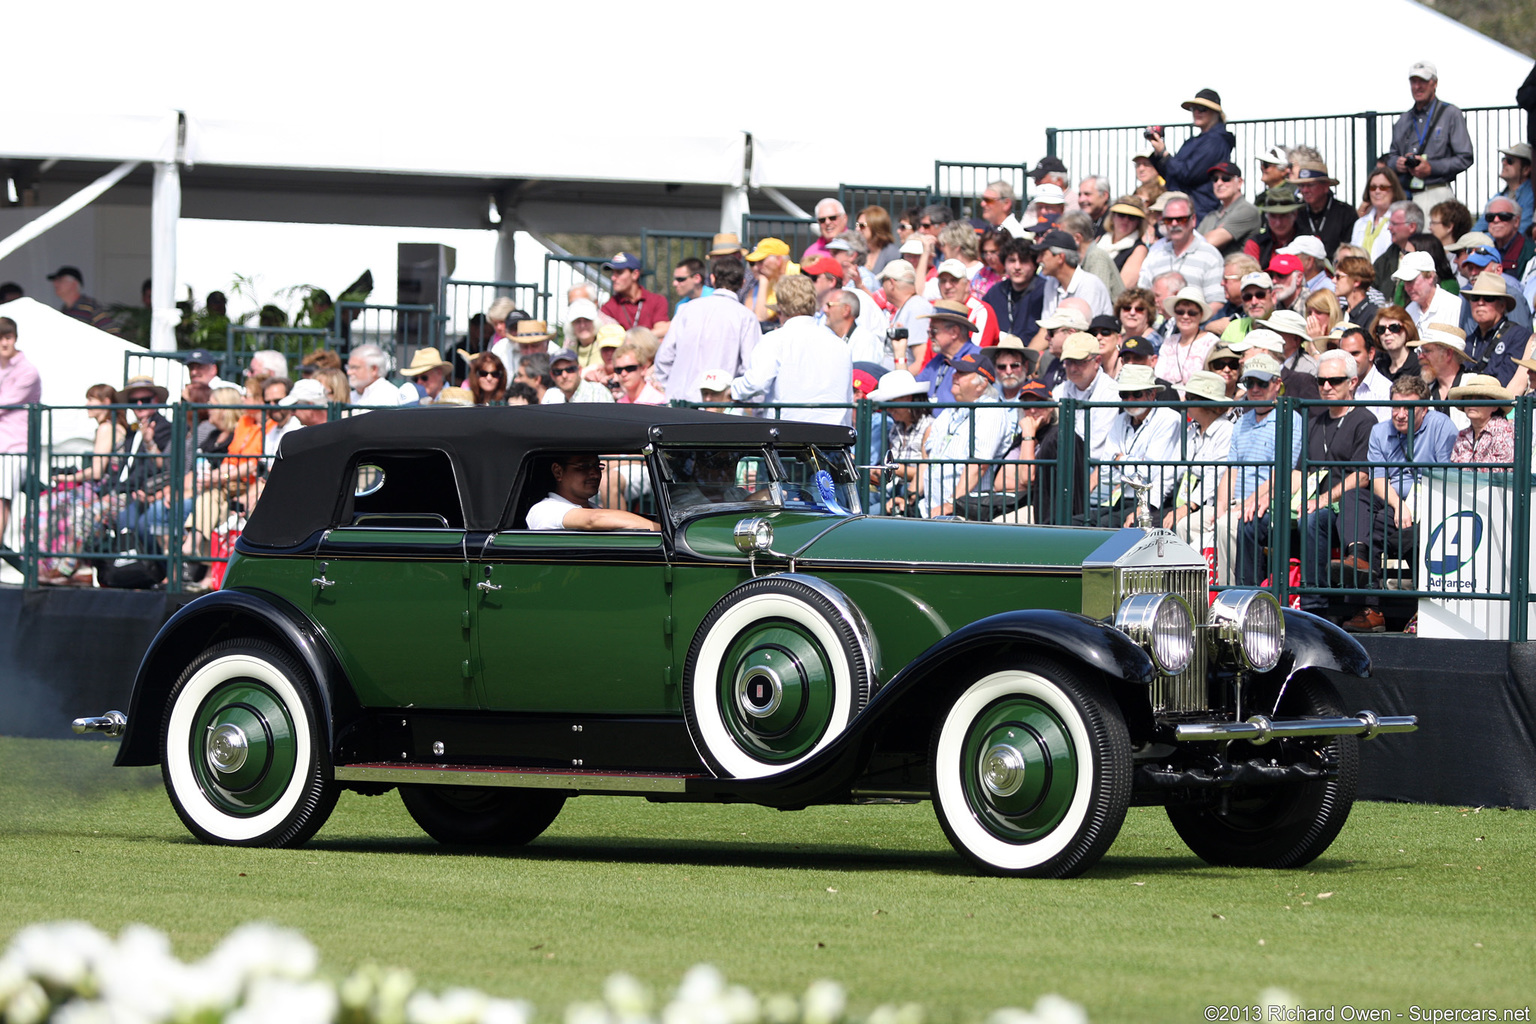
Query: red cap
[1285, 264]
[1225, 167]
[823, 265]
[863, 382]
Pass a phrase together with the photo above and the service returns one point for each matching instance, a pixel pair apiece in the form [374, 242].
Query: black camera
[897, 334]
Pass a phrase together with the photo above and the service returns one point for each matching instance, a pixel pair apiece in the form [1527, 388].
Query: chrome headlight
[1163, 626]
[1250, 629]
[753, 536]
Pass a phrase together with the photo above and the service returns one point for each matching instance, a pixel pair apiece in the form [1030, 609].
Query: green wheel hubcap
[1020, 769]
[243, 749]
[776, 691]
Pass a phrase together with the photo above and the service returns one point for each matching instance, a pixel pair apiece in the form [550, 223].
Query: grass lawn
[1432, 906]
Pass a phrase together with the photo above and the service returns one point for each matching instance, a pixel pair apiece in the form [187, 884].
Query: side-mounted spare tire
[775, 672]
[243, 748]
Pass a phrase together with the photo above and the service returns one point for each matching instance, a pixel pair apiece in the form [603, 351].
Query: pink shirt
[649, 395]
[19, 385]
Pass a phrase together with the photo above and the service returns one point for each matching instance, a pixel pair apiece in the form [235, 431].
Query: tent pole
[68, 208]
[165, 213]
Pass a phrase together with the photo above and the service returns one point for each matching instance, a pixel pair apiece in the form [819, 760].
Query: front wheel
[1282, 826]
[242, 749]
[1032, 771]
[482, 815]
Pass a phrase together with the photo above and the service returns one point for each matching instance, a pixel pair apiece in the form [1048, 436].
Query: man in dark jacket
[1017, 299]
[1189, 170]
[1321, 214]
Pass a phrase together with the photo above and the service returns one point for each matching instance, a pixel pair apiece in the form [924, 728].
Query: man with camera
[1430, 144]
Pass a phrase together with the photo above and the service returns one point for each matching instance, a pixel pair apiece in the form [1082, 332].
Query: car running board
[518, 778]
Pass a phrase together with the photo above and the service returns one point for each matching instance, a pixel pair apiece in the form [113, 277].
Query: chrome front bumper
[1260, 729]
[113, 723]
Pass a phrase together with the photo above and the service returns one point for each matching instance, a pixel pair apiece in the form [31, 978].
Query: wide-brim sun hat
[145, 383]
[1189, 293]
[1481, 385]
[1209, 99]
[899, 386]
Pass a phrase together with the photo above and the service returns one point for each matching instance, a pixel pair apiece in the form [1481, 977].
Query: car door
[392, 591]
[575, 622]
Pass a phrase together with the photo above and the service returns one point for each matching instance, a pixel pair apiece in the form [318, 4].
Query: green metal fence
[894, 199]
[562, 273]
[798, 232]
[460, 302]
[1467, 560]
[1349, 143]
[961, 184]
[293, 342]
[662, 251]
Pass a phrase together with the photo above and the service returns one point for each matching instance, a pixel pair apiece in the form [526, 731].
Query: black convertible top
[487, 446]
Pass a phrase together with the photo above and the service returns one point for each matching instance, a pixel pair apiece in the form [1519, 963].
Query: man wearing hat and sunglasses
[949, 332]
[1235, 220]
[1515, 172]
[1497, 341]
[1322, 214]
[1189, 170]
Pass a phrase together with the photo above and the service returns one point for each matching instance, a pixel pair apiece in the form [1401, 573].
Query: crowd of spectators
[1187, 306]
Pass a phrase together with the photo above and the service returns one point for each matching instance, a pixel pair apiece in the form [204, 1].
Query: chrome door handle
[488, 586]
[321, 582]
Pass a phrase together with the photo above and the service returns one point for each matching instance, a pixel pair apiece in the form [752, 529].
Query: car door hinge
[466, 668]
[666, 676]
[666, 625]
[666, 574]
[467, 571]
[464, 618]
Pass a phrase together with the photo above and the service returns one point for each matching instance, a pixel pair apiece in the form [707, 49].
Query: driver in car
[569, 506]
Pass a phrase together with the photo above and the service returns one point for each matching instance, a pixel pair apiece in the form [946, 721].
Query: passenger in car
[569, 506]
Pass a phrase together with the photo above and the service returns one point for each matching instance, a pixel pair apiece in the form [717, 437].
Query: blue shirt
[1525, 198]
[707, 291]
[1432, 442]
[1253, 440]
[941, 376]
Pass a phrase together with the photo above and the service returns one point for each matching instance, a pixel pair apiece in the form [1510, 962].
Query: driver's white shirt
[549, 514]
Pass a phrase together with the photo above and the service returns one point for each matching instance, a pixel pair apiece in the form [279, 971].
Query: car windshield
[805, 478]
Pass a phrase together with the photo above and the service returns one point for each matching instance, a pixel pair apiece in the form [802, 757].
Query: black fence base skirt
[71, 652]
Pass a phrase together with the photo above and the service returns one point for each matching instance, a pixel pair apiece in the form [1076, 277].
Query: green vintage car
[389, 621]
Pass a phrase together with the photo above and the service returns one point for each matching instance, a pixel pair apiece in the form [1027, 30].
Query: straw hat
[144, 383]
[455, 396]
[949, 311]
[1480, 385]
[529, 331]
[1450, 336]
[424, 360]
[1310, 172]
[1490, 284]
[1131, 206]
[1210, 99]
[726, 243]
[1189, 293]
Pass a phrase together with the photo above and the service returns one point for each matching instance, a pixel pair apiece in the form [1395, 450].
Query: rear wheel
[1032, 771]
[1283, 826]
[242, 748]
[482, 815]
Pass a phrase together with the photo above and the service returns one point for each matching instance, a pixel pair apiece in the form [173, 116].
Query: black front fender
[1311, 642]
[219, 616]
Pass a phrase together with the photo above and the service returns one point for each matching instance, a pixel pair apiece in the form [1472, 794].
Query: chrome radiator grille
[1187, 690]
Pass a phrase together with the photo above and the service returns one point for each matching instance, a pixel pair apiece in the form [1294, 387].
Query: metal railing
[797, 232]
[293, 342]
[1350, 145]
[894, 199]
[562, 273]
[961, 184]
[1466, 559]
[399, 330]
[662, 251]
[461, 301]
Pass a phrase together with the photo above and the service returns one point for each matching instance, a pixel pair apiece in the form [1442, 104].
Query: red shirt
[650, 310]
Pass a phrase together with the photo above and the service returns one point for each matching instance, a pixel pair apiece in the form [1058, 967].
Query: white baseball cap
[1305, 245]
[1049, 194]
[1257, 279]
[1425, 70]
[955, 269]
[1412, 265]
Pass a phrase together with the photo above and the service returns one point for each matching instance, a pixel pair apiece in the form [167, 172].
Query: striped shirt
[1201, 264]
[1253, 441]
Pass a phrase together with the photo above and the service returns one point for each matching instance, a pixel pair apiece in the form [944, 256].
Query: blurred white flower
[260, 950]
[27, 1005]
[12, 977]
[506, 1011]
[825, 1002]
[702, 984]
[626, 996]
[781, 1009]
[61, 954]
[1054, 1009]
[587, 1013]
[741, 1005]
[1278, 997]
[273, 1000]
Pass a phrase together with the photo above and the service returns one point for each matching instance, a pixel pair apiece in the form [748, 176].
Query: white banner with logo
[1463, 536]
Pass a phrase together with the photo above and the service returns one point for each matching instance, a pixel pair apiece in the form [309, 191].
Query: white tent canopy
[70, 356]
[609, 92]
